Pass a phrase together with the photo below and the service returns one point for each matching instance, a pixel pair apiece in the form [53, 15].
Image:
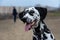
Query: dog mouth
[28, 26]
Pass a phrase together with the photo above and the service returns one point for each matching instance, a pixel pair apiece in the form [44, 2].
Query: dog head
[31, 16]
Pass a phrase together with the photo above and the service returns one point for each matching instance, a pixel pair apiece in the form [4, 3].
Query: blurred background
[6, 12]
[15, 31]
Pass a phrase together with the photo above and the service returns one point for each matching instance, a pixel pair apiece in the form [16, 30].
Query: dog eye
[31, 12]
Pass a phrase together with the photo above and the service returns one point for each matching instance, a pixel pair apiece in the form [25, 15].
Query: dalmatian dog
[34, 17]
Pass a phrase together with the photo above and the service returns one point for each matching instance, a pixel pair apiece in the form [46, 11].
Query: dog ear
[42, 11]
[21, 14]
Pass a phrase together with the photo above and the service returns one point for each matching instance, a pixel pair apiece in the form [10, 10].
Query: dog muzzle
[29, 26]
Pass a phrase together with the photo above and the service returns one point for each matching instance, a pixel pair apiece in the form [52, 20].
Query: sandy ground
[11, 31]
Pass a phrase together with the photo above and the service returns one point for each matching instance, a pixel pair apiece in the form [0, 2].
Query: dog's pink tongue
[27, 27]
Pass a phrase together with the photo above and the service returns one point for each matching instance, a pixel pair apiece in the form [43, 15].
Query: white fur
[35, 15]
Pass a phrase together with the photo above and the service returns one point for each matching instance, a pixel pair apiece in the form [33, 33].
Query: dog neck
[40, 26]
[39, 30]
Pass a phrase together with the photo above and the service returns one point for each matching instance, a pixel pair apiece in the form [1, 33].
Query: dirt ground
[15, 31]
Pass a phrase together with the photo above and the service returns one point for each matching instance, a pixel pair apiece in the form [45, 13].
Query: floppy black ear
[42, 11]
[21, 14]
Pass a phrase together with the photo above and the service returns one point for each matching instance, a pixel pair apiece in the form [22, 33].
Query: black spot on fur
[31, 12]
[37, 31]
[45, 37]
[34, 38]
[51, 36]
[46, 29]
